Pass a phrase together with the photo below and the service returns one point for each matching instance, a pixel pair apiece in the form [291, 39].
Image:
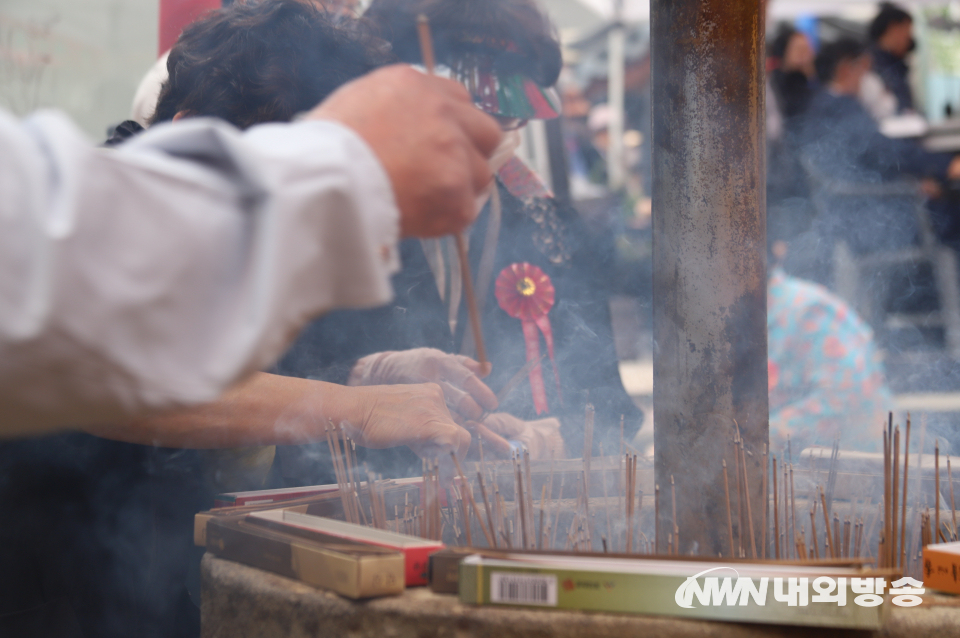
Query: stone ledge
[243, 602]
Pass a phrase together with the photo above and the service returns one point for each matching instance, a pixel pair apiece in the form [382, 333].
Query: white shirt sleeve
[155, 275]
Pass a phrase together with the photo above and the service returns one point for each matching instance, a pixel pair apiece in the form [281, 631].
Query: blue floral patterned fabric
[825, 372]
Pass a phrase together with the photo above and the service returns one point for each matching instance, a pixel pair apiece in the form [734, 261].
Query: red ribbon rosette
[526, 293]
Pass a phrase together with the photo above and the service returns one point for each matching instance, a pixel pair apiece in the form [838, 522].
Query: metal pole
[709, 253]
[616, 50]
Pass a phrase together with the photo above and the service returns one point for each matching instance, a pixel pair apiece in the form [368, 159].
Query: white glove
[457, 376]
[541, 437]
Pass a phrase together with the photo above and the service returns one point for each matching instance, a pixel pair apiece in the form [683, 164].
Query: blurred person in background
[508, 56]
[845, 143]
[793, 77]
[825, 374]
[891, 40]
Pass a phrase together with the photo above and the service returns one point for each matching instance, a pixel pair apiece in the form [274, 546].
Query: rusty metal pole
[709, 255]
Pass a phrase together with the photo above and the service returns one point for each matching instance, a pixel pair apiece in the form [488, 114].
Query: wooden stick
[776, 516]
[746, 491]
[530, 511]
[628, 502]
[813, 530]
[846, 538]
[556, 514]
[656, 517]
[793, 502]
[883, 560]
[953, 503]
[429, 61]
[741, 524]
[826, 524]
[520, 499]
[473, 503]
[837, 535]
[338, 471]
[673, 496]
[486, 508]
[786, 513]
[606, 505]
[894, 528]
[903, 515]
[766, 504]
[726, 488]
[936, 484]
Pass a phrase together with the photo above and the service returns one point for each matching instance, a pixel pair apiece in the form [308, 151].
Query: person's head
[505, 52]
[892, 30]
[842, 64]
[262, 61]
[793, 50]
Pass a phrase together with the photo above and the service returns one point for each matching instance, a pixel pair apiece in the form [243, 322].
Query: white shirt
[157, 274]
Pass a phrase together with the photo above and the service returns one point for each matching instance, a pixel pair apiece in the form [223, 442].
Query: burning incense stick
[826, 524]
[776, 514]
[793, 503]
[465, 487]
[903, 516]
[766, 504]
[726, 488]
[673, 497]
[953, 504]
[883, 558]
[895, 496]
[936, 484]
[746, 491]
[629, 505]
[429, 61]
[486, 508]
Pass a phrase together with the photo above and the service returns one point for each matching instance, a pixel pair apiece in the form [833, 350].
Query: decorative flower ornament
[526, 293]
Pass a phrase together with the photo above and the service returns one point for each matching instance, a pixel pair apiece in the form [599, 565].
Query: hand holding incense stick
[426, 52]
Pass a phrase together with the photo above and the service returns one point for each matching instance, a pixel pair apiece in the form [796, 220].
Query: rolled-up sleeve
[155, 275]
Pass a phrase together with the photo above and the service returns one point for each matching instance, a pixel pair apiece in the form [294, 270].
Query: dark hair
[263, 61]
[889, 15]
[514, 33]
[833, 53]
[778, 47]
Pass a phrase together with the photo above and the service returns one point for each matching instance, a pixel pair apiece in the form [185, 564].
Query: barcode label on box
[523, 589]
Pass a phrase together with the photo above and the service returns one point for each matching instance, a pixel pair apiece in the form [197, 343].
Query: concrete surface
[243, 602]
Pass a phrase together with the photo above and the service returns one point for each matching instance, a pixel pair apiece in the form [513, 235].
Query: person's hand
[457, 376]
[541, 437]
[953, 171]
[430, 138]
[411, 415]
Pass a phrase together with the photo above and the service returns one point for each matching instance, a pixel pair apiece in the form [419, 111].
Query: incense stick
[766, 504]
[726, 489]
[895, 496]
[673, 497]
[903, 516]
[953, 504]
[426, 52]
[776, 515]
[936, 478]
[746, 490]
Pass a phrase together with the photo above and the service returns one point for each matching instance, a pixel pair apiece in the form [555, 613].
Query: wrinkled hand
[411, 415]
[541, 437]
[430, 138]
[457, 376]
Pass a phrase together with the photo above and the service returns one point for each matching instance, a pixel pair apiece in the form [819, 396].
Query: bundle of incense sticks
[837, 519]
